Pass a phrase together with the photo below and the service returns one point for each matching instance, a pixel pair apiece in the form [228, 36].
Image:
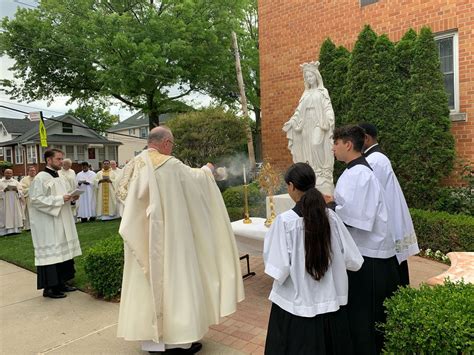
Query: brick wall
[291, 33]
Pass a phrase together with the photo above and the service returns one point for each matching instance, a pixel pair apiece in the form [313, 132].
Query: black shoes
[49, 292]
[195, 347]
[67, 288]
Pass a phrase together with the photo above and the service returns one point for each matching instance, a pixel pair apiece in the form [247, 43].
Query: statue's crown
[311, 66]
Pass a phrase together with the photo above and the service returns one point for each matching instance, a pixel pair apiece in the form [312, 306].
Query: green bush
[430, 320]
[236, 213]
[455, 200]
[234, 196]
[103, 264]
[443, 231]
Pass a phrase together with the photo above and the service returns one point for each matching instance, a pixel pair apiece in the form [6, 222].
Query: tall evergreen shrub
[429, 140]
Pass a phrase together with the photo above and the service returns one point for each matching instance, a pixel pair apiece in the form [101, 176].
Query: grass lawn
[18, 249]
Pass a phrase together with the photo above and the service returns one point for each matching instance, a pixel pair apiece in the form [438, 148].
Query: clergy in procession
[70, 175]
[104, 185]
[53, 229]
[11, 204]
[86, 203]
[307, 252]
[118, 175]
[25, 185]
[360, 203]
[182, 270]
[401, 223]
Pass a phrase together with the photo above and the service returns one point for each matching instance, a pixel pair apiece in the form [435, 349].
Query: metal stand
[248, 274]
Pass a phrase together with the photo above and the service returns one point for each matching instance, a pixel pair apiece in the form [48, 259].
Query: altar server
[307, 251]
[360, 203]
[85, 181]
[401, 223]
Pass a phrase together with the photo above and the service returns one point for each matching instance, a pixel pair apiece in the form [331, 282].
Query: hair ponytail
[317, 234]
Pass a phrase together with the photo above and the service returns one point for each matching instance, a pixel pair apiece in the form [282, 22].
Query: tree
[334, 63]
[208, 135]
[95, 116]
[133, 51]
[430, 141]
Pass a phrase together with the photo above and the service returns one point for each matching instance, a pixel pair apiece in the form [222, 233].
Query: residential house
[133, 133]
[20, 143]
[291, 33]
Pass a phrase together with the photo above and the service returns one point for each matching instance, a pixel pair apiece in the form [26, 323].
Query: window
[144, 132]
[70, 152]
[31, 154]
[131, 131]
[67, 127]
[111, 153]
[8, 155]
[91, 153]
[80, 153]
[367, 2]
[448, 55]
[101, 154]
[1, 151]
[18, 154]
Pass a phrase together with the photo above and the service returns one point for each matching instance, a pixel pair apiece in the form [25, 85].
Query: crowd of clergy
[97, 201]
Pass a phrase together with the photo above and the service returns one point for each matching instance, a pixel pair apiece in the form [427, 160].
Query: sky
[58, 107]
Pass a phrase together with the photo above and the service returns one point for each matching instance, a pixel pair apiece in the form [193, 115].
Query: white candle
[245, 176]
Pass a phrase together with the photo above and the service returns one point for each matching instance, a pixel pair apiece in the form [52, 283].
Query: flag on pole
[42, 131]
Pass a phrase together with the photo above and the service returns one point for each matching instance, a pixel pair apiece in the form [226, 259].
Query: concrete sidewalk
[80, 324]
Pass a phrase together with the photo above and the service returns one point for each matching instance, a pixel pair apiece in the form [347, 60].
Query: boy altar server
[360, 203]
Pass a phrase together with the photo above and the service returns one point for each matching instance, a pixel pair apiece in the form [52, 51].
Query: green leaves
[431, 320]
[132, 51]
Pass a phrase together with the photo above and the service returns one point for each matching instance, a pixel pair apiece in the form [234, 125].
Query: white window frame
[18, 154]
[8, 149]
[31, 157]
[143, 130]
[454, 36]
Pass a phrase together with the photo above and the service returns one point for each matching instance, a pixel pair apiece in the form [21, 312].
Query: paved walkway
[80, 324]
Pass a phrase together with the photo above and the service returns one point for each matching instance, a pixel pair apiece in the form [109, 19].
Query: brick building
[292, 31]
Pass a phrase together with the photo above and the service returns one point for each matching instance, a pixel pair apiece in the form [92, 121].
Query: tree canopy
[95, 116]
[133, 51]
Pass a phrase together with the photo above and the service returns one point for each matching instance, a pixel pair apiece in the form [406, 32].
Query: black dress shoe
[67, 288]
[195, 347]
[47, 292]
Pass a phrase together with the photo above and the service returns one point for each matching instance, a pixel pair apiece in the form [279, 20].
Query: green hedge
[234, 196]
[443, 231]
[103, 264]
[431, 320]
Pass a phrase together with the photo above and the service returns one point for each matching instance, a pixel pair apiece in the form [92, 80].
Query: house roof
[16, 125]
[32, 134]
[138, 119]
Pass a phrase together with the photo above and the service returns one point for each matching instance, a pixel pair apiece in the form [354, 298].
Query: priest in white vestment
[70, 175]
[118, 175]
[401, 224]
[361, 204]
[86, 203]
[53, 229]
[25, 185]
[182, 270]
[106, 201]
[11, 204]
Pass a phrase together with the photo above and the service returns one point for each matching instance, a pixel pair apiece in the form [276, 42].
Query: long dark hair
[317, 230]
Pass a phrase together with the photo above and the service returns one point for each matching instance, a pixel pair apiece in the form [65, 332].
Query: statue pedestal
[281, 203]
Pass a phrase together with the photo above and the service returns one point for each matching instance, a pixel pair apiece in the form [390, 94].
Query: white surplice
[70, 176]
[52, 224]
[106, 198]
[294, 290]
[86, 202]
[11, 207]
[360, 203]
[403, 232]
[182, 270]
[25, 185]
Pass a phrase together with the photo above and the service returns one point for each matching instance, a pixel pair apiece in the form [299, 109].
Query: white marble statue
[310, 129]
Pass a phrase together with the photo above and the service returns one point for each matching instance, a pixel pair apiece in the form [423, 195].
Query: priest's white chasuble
[106, 202]
[11, 206]
[25, 185]
[182, 269]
